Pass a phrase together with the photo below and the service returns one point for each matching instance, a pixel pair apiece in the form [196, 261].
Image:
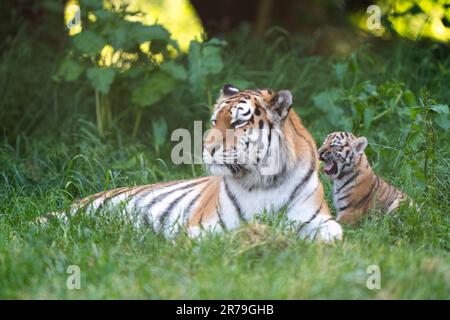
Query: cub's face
[241, 133]
[341, 151]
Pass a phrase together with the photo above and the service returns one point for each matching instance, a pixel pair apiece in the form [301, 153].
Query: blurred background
[112, 78]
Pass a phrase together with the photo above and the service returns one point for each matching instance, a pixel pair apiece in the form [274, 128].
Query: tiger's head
[242, 140]
[341, 152]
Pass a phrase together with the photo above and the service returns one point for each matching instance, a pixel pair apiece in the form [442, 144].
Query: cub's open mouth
[330, 167]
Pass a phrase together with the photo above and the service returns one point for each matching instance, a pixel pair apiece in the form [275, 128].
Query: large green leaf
[409, 98]
[142, 33]
[88, 42]
[196, 77]
[101, 78]
[204, 60]
[153, 89]
[442, 121]
[441, 116]
[327, 102]
[175, 70]
[440, 108]
[68, 70]
[119, 38]
[91, 4]
[212, 60]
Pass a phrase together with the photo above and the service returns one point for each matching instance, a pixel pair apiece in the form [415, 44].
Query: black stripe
[261, 124]
[310, 219]
[345, 207]
[365, 198]
[234, 201]
[353, 177]
[189, 207]
[300, 135]
[270, 133]
[106, 200]
[150, 189]
[167, 212]
[302, 182]
[315, 214]
[329, 219]
[350, 188]
[344, 197]
[246, 114]
[219, 214]
[167, 193]
[343, 174]
[307, 197]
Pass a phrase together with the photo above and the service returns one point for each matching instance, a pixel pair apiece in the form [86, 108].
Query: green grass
[117, 261]
[46, 169]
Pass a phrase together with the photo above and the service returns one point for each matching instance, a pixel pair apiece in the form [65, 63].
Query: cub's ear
[227, 91]
[359, 144]
[280, 105]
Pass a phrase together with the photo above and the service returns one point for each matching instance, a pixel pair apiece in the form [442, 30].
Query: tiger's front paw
[328, 232]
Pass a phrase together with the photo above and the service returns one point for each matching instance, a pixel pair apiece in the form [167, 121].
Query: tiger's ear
[359, 144]
[280, 105]
[227, 91]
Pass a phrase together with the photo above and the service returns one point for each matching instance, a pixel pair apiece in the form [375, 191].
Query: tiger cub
[356, 187]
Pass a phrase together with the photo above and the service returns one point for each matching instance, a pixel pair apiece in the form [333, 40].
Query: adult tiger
[261, 158]
[356, 188]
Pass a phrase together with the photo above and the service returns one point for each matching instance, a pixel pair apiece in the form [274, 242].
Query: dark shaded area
[42, 21]
[219, 17]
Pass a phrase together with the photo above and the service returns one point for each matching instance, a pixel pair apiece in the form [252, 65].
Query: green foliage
[159, 134]
[153, 89]
[69, 70]
[52, 153]
[101, 78]
[138, 75]
[204, 61]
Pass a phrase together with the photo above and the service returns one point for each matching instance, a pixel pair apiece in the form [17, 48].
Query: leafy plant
[205, 61]
[109, 53]
[421, 137]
